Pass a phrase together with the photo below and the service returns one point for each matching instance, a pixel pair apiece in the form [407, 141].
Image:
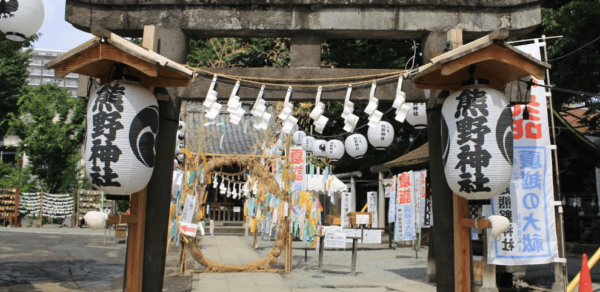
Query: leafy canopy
[50, 124]
[13, 74]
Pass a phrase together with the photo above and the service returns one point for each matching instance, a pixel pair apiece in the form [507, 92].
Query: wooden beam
[150, 38]
[101, 52]
[135, 242]
[498, 53]
[481, 223]
[114, 219]
[462, 244]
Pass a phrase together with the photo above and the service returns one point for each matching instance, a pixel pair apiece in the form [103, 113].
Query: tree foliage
[13, 74]
[9, 177]
[581, 69]
[50, 124]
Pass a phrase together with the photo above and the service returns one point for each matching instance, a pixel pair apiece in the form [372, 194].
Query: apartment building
[39, 75]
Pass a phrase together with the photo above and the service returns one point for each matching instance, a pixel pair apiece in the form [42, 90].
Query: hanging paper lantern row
[122, 124]
[356, 145]
[298, 137]
[307, 144]
[335, 150]
[477, 142]
[319, 148]
[180, 143]
[26, 20]
[417, 115]
[381, 136]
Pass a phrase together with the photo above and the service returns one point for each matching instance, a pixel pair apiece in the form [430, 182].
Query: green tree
[581, 69]
[9, 177]
[50, 124]
[13, 74]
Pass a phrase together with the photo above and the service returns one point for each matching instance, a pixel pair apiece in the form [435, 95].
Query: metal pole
[558, 194]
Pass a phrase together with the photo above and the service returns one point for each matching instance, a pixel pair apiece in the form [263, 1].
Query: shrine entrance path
[373, 261]
[233, 250]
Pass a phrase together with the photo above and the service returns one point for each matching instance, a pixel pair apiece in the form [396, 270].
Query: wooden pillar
[15, 219]
[462, 246]
[41, 206]
[488, 277]
[171, 43]
[135, 242]
[433, 44]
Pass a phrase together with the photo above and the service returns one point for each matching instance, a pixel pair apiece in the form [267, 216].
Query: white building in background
[39, 75]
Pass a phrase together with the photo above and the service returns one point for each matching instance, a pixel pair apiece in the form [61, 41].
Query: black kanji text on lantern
[107, 109]
[472, 107]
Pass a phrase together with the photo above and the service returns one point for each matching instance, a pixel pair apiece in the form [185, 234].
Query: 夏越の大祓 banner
[528, 202]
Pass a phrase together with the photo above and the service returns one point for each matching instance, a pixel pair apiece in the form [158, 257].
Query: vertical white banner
[372, 207]
[392, 205]
[405, 206]
[346, 206]
[297, 158]
[528, 202]
[423, 199]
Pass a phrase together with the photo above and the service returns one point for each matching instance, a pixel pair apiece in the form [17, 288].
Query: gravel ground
[376, 266]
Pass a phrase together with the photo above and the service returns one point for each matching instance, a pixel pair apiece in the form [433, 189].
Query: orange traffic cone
[585, 280]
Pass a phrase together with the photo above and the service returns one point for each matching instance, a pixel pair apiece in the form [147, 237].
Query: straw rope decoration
[267, 181]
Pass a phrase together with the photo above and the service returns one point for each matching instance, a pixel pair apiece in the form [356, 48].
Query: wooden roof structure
[97, 56]
[497, 61]
[416, 159]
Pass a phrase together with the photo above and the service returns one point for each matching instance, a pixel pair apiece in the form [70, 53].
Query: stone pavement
[235, 250]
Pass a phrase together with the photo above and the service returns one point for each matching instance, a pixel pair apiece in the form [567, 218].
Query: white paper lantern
[319, 148]
[417, 115]
[25, 22]
[180, 157]
[298, 137]
[307, 143]
[381, 136]
[182, 127]
[335, 150]
[477, 142]
[122, 124]
[180, 137]
[356, 145]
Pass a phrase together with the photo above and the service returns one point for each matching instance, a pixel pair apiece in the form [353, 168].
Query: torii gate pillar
[173, 44]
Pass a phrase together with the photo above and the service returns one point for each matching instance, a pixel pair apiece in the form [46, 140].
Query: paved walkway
[235, 250]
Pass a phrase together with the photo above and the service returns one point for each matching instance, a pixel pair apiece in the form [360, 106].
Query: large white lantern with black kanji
[122, 124]
[417, 115]
[477, 142]
[381, 136]
[356, 145]
[307, 143]
[25, 21]
[319, 148]
[335, 150]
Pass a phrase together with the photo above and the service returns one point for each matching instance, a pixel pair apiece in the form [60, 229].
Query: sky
[57, 34]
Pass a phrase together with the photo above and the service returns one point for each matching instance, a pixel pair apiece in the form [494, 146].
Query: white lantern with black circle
[180, 137]
[182, 126]
[25, 21]
[417, 115]
[298, 137]
[307, 144]
[335, 150]
[356, 145]
[122, 124]
[477, 142]
[381, 136]
[319, 148]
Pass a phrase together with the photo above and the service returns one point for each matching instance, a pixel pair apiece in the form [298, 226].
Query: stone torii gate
[306, 22]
